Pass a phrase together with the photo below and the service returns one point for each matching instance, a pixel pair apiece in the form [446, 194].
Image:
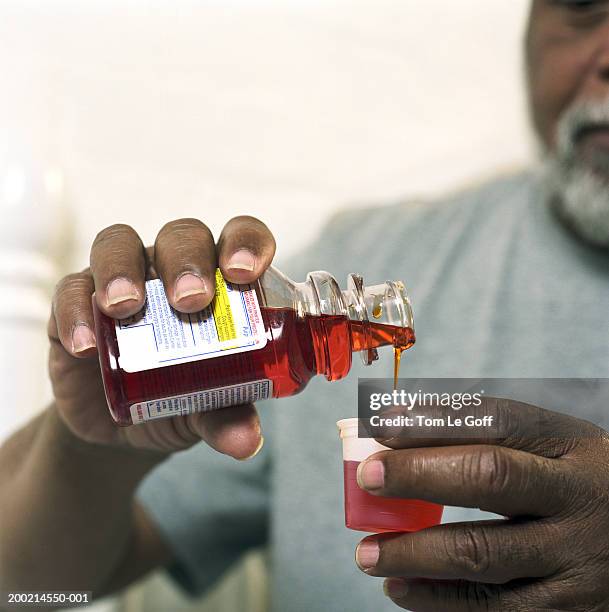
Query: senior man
[510, 279]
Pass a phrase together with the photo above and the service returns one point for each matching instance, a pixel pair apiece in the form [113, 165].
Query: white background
[286, 110]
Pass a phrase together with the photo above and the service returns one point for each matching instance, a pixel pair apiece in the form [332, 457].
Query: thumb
[233, 431]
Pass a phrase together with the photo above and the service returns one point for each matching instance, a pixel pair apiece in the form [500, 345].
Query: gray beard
[578, 189]
[580, 198]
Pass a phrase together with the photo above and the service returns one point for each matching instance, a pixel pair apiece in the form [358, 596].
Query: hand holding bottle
[185, 257]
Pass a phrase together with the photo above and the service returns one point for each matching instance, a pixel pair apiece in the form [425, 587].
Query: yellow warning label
[223, 314]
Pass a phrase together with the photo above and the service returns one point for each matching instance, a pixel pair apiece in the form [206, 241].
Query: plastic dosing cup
[367, 512]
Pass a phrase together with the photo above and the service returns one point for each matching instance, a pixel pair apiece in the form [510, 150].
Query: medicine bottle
[253, 342]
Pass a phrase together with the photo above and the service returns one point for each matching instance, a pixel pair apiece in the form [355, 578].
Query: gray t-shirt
[499, 289]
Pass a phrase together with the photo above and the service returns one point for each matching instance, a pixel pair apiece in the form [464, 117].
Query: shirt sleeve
[210, 509]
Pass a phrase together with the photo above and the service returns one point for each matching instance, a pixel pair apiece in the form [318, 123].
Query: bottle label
[159, 336]
[202, 401]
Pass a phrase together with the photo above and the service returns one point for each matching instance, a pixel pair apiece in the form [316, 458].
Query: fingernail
[82, 339]
[121, 290]
[258, 449]
[371, 474]
[367, 554]
[189, 284]
[396, 588]
[242, 260]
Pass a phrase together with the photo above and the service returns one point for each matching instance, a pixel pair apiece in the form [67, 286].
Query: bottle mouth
[398, 304]
[384, 304]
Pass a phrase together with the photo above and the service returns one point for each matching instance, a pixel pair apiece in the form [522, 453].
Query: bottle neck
[359, 319]
[321, 300]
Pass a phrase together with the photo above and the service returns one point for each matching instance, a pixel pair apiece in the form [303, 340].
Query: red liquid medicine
[254, 342]
[373, 513]
[366, 512]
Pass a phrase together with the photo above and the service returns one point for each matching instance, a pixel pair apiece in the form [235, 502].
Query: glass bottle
[161, 363]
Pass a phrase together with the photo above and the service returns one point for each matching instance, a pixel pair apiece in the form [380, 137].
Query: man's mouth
[593, 137]
[592, 147]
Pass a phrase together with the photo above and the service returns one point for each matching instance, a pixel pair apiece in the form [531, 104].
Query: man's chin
[587, 177]
[601, 175]
[593, 161]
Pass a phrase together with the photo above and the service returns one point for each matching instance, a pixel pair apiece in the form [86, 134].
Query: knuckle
[470, 550]
[71, 287]
[71, 305]
[182, 238]
[466, 596]
[113, 233]
[183, 228]
[480, 596]
[489, 468]
[503, 405]
[507, 418]
[114, 249]
[250, 232]
[514, 421]
[444, 598]
[247, 219]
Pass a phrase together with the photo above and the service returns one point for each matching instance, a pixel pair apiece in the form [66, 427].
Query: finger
[118, 268]
[235, 432]
[492, 478]
[513, 424]
[458, 596]
[485, 551]
[71, 322]
[245, 249]
[185, 258]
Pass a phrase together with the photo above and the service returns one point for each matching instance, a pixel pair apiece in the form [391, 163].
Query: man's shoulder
[502, 190]
[417, 222]
[488, 194]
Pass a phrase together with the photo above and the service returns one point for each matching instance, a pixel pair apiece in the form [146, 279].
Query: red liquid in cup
[366, 512]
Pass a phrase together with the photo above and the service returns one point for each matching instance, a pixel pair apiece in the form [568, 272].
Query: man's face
[568, 78]
[568, 60]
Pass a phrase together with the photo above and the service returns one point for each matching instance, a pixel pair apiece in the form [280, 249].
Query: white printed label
[159, 336]
[202, 401]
